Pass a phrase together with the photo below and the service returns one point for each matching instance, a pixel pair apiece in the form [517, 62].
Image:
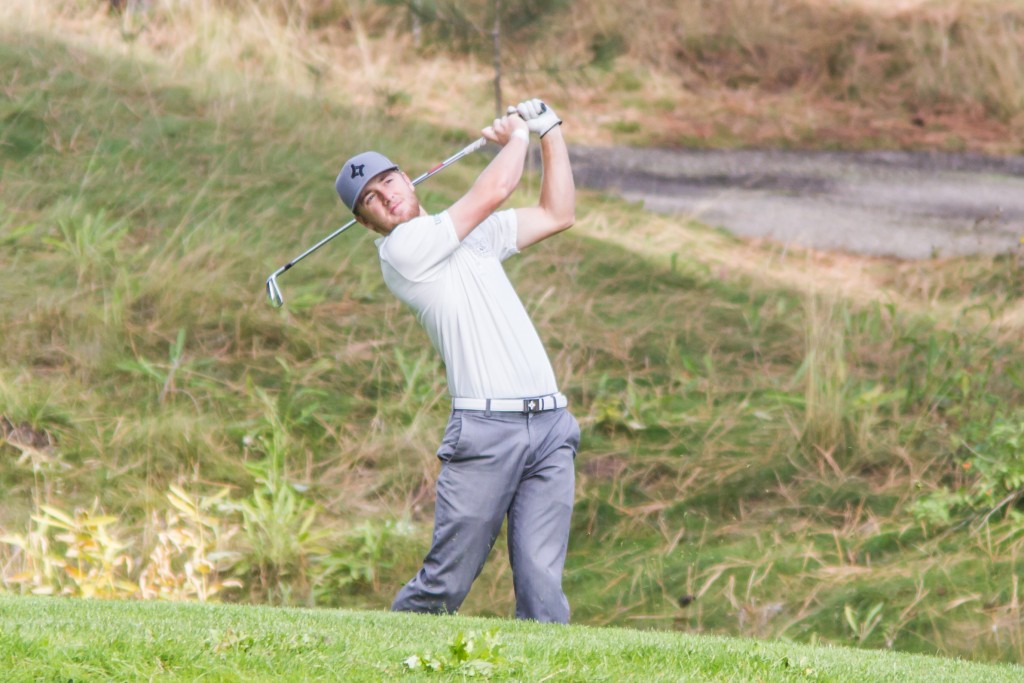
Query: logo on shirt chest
[477, 244]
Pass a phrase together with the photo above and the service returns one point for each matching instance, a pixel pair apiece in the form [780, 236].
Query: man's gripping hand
[505, 128]
[539, 117]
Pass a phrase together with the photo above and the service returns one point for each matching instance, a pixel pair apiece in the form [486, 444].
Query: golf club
[274, 291]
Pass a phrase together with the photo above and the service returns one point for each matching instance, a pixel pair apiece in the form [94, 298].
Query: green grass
[755, 455]
[51, 640]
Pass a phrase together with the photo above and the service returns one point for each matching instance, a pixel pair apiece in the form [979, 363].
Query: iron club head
[274, 292]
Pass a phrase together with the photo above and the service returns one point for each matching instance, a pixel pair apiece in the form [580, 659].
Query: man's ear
[362, 221]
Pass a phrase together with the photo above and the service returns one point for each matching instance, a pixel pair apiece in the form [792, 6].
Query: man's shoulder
[417, 248]
[435, 219]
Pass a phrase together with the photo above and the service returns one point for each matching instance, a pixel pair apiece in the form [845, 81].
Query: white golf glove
[539, 117]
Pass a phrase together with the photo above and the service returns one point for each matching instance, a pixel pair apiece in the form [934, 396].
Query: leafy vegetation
[767, 452]
[469, 655]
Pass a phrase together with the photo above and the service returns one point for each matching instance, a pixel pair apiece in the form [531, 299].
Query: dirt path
[903, 204]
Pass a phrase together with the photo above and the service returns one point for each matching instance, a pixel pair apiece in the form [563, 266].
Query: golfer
[510, 443]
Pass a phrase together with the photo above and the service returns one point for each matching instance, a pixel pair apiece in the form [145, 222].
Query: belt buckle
[533, 405]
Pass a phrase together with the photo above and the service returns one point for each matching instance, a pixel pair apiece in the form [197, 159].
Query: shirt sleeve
[416, 249]
[500, 229]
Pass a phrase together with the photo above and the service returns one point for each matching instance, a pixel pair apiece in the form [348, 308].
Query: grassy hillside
[764, 454]
[86, 641]
[823, 74]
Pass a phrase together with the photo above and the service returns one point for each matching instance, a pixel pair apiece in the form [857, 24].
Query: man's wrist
[555, 125]
[521, 134]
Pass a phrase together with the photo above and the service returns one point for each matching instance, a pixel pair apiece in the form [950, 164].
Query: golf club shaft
[468, 149]
[274, 292]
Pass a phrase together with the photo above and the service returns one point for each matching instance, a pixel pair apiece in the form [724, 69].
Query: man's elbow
[561, 214]
[566, 221]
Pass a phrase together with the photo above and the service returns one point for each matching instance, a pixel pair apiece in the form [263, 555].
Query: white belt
[511, 405]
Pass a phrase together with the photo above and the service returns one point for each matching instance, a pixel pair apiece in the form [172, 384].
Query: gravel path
[903, 204]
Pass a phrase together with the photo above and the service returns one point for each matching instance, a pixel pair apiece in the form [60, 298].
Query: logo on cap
[357, 171]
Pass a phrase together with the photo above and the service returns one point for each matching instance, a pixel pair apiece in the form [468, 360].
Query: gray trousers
[492, 466]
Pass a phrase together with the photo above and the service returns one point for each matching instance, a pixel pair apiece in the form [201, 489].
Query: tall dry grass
[915, 54]
[793, 72]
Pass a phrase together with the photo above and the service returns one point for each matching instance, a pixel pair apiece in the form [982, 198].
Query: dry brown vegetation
[857, 74]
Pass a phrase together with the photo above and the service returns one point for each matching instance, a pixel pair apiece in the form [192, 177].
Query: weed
[358, 559]
[469, 654]
[76, 554]
[863, 626]
[190, 557]
[277, 517]
[91, 241]
[82, 553]
[162, 374]
[991, 468]
[825, 376]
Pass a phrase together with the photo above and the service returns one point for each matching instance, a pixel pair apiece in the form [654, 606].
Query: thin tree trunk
[496, 38]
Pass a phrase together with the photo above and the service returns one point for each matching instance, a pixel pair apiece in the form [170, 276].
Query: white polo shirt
[464, 300]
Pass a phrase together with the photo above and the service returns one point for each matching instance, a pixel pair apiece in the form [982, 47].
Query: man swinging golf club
[510, 443]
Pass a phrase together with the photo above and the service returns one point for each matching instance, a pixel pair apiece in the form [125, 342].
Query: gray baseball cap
[357, 172]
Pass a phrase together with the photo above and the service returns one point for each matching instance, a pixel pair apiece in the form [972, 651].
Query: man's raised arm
[498, 181]
[556, 209]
